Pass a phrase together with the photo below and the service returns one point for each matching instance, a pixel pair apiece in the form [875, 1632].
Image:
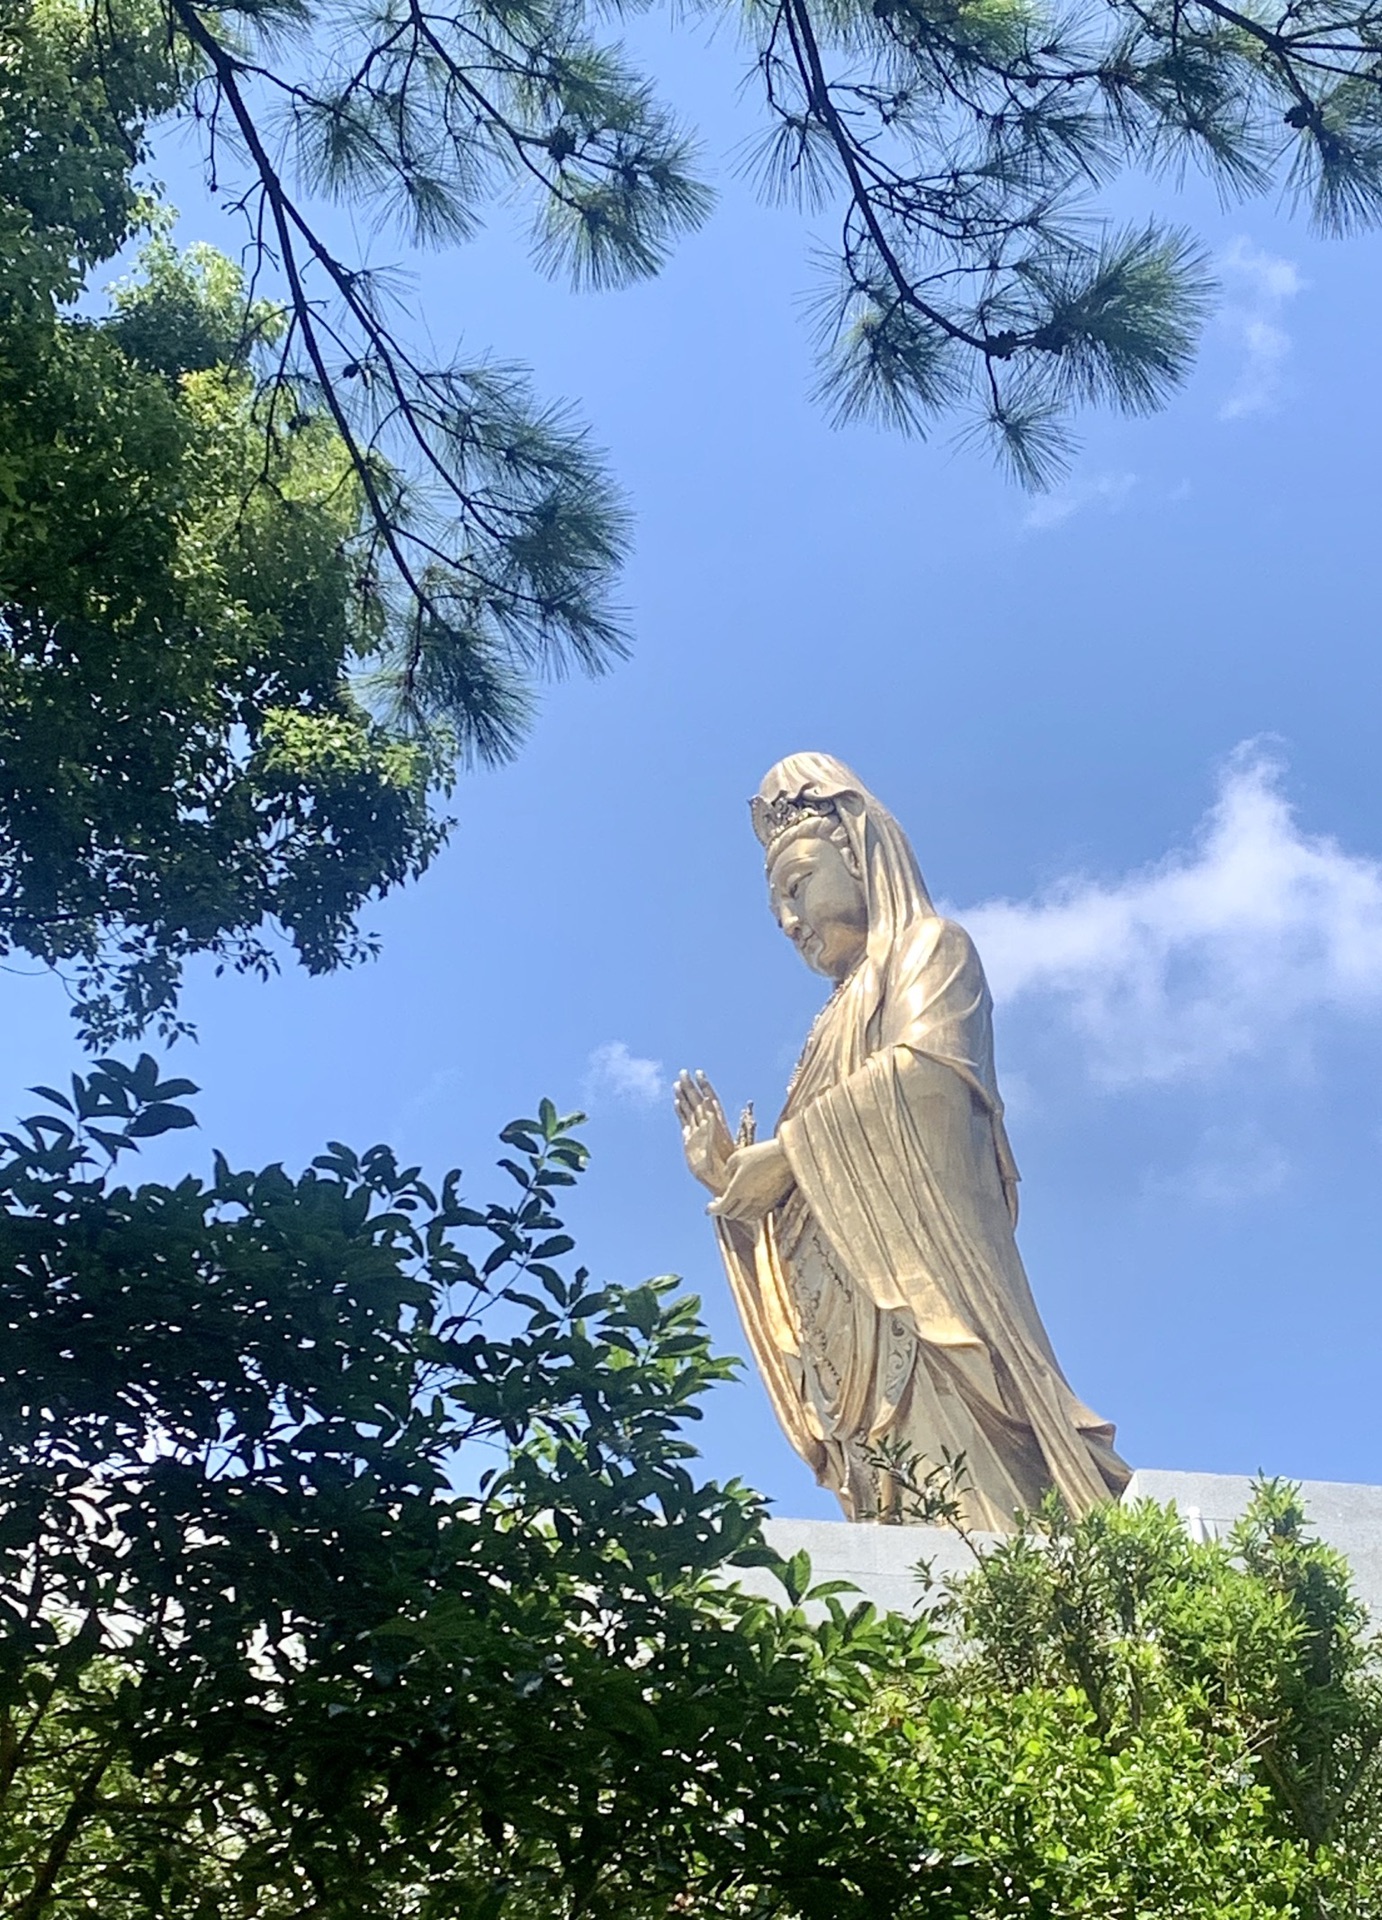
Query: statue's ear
[840, 836]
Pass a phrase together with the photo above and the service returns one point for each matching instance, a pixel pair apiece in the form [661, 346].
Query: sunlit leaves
[1198, 1715]
[186, 312]
[182, 757]
[185, 579]
[74, 105]
[1120, 322]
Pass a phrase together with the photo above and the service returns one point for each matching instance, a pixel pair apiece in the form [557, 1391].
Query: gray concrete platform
[882, 1561]
[1346, 1515]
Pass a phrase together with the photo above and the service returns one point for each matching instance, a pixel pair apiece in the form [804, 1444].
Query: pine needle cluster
[965, 144]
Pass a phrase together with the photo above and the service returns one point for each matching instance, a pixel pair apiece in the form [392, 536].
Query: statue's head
[815, 885]
[842, 879]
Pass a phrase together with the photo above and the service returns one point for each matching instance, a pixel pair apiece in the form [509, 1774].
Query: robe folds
[885, 1299]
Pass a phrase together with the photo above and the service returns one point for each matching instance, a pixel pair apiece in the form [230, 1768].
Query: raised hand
[705, 1135]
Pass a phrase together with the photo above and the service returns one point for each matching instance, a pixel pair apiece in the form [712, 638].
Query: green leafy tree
[959, 142]
[242, 647]
[351, 1561]
[318, 568]
[1135, 1722]
[182, 756]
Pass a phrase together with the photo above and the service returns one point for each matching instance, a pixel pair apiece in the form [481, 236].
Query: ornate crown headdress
[773, 820]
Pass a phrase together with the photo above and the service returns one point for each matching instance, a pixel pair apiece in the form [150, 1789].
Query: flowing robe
[885, 1299]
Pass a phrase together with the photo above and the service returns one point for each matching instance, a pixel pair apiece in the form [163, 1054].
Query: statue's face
[819, 905]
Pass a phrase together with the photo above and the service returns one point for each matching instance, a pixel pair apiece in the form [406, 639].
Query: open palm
[705, 1135]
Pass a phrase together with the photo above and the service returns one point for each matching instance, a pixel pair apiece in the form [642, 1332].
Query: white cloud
[1260, 286]
[440, 1088]
[1230, 1166]
[1108, 490]
[617, 1071]
[1222, 950]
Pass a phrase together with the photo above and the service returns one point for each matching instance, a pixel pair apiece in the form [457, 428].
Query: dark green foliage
[182, 754]
[960, 139]
[351, 1562]
[247, 632]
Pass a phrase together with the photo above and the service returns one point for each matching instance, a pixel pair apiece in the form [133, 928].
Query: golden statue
[869, 1244]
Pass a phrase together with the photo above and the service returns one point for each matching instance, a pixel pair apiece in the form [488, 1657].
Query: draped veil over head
[883, 854]
[884, 1297]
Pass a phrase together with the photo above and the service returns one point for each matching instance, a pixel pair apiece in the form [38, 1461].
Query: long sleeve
[896, 1164]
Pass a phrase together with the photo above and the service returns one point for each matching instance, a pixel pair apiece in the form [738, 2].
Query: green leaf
[51, 1094]
[159, 1118]
[795, 1575]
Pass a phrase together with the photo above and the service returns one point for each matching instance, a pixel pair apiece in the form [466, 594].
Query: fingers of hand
[688, 1100]
[709, 1098]
[696, 1100]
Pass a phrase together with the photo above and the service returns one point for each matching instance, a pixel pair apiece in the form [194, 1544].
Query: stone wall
[881, 1561]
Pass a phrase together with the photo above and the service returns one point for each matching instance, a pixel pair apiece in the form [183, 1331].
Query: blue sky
[1132, 727]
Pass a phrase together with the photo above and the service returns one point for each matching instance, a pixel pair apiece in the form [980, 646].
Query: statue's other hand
[760, 1178]
[705, 1134]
